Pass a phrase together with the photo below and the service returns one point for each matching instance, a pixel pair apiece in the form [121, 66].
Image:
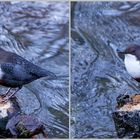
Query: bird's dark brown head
[132, 49]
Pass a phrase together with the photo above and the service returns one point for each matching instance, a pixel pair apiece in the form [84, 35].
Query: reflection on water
[98, 74]
[38, 31]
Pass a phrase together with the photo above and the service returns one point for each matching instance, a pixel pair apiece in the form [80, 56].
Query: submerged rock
[127, 116]
[7, 110]
[25, 126]
[14, 124]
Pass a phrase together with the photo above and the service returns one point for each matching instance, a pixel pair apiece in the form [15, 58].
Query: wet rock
[127, 116]
[123, 99]
[25, 126]
[14, 124]
[7, 110]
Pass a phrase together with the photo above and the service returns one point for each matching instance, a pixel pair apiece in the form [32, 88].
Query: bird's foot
[3, 95]
[4, 100]
[8, 95]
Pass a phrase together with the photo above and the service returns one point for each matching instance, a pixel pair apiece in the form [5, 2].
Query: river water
[38, 31]
[98, 74]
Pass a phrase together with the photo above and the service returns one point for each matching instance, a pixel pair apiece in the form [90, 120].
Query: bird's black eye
[133, 51]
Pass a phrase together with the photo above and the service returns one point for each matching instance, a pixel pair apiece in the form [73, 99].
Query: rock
[7, 110]
[25, 126]
[127, 116]
[14, 124]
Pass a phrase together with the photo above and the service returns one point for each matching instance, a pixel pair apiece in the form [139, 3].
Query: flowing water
[38, 31]
[98, 74]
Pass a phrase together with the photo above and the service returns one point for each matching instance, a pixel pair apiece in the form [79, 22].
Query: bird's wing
[24, 64]
[16, 71]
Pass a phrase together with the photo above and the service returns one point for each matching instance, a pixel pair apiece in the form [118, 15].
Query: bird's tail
[40, 72]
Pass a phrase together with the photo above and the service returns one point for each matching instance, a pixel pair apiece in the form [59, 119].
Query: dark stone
[24, 126]
[127, 122]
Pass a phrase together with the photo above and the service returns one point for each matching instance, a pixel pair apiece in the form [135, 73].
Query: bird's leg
[5, 99]
[6, 92]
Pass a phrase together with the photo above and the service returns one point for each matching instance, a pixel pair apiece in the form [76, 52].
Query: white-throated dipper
[16, 71]
[132, 60]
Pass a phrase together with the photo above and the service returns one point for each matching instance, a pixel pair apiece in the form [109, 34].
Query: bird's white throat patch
[132, 65]
[1, 73]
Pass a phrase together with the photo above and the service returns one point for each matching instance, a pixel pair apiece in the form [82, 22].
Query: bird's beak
[121, 53]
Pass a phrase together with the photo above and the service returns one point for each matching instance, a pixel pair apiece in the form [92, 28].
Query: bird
[15, 72]
[132, 60]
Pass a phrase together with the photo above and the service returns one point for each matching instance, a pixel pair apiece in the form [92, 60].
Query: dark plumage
[133, 50]
[15, 71]
[132, 60]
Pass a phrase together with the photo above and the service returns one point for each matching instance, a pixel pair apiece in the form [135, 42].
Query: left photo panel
[34, 69]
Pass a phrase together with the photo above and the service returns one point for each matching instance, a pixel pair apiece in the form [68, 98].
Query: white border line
[69, 69]
[34, 0]
[104, 0]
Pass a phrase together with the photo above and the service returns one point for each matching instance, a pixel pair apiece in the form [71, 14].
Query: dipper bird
[132, 60]
[16, 71]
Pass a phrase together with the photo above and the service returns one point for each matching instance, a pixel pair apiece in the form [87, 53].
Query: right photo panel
[105, 69]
